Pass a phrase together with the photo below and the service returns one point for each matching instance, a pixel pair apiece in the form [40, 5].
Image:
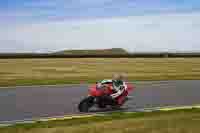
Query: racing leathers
[118, 87]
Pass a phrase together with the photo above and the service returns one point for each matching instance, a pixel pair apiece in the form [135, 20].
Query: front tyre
[86, 104]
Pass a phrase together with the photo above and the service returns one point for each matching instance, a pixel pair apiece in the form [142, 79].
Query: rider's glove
[99, 85]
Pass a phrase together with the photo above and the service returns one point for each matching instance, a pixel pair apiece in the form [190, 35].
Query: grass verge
[179, 121]
[19, 72]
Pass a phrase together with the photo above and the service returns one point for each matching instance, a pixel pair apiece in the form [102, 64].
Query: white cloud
[163, 32]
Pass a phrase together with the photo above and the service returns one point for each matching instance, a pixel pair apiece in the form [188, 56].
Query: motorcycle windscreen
[93, 91]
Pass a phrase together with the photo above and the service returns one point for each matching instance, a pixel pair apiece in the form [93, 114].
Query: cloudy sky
[136, 25]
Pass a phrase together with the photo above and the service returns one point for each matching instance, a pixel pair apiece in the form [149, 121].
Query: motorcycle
[99, 97]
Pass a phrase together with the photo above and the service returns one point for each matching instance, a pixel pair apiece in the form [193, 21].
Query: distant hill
[112, 51]
[100, 53]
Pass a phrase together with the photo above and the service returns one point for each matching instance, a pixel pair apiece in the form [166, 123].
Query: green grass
[87, 70]
[180, 121]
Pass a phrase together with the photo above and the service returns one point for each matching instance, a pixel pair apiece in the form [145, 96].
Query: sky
[136, 25]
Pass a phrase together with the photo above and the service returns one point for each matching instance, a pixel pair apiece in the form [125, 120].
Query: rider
[117, 85]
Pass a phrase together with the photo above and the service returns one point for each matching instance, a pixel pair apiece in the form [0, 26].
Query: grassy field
[182, 121]
[86, 70]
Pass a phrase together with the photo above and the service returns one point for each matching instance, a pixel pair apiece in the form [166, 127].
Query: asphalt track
[19, 103]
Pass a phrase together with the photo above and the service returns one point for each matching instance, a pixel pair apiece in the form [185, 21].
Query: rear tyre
[102, 105]
[86, 104]
[117, 107]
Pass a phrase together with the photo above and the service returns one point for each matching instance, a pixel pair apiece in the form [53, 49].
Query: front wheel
[86, 104]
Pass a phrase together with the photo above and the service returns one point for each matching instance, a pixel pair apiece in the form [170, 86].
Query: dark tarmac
[19, 103]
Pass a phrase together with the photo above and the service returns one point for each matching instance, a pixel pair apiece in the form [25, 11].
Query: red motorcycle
[99, 97]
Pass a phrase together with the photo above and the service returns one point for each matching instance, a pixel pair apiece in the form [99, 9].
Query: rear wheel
[102, 105]
[86, 104]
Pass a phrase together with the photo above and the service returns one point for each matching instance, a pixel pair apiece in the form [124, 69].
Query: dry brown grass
[58, 71]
